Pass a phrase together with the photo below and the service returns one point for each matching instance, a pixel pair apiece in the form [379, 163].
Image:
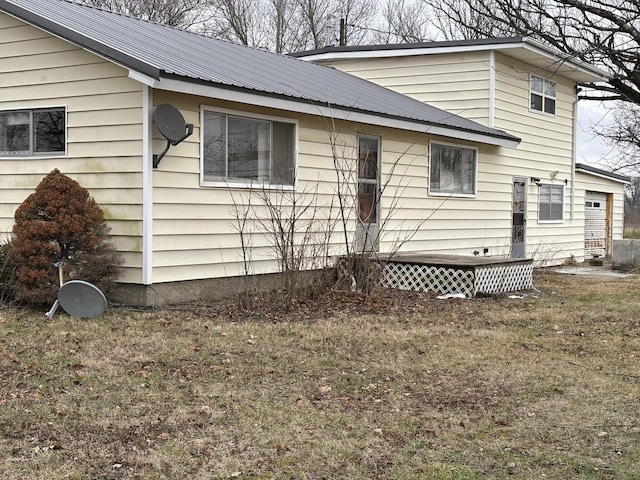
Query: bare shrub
[6, 271]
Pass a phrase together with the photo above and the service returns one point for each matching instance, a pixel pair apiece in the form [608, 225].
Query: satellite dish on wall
[171, 125]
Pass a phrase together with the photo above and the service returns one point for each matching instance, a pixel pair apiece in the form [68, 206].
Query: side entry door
[519, 218]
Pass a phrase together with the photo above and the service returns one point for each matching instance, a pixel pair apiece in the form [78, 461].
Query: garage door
[595, 225]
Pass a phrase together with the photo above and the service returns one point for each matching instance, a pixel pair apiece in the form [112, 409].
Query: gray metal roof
[159, 52]
[583, 167]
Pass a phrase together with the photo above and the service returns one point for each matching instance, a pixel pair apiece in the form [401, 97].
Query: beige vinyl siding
[195, 232]
[457, 83]
[195, 227]
[104, 129]
[460, 83]
[545, 152]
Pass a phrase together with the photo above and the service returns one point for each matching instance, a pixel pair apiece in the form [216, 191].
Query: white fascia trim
[557, 57]
[400, 52]
[492, 88]
[325, 110]
[147, 185]
[142, 78]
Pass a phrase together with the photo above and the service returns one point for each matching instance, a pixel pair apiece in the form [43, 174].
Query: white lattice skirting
[480, 279]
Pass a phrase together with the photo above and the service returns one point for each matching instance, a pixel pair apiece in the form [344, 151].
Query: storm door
[367, 230]
[519, 218]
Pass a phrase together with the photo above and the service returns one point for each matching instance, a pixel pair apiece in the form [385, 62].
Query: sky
[592, 149]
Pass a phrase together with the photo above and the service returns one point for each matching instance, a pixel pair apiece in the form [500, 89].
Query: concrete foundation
[206, 290]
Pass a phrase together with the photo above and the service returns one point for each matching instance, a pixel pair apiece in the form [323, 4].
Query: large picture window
[32, 132]
[543, 95]
[551, 205]
[243, 149]
[453, 170]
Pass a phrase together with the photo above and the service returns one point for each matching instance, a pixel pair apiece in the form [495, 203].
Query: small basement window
[543, 95]
[37, 132]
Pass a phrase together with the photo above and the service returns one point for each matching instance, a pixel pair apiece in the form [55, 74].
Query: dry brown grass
[403, 387]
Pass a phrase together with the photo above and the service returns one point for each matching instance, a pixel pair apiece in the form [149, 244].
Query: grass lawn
[401, 386]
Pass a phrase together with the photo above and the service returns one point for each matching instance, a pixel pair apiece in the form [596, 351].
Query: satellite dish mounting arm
[157, 158]
[171, 125]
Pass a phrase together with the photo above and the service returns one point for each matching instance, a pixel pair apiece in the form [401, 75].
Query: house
[173, 133]
[520, 86]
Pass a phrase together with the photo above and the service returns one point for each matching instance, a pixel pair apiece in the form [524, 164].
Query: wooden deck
[455, 260]
[457, 274]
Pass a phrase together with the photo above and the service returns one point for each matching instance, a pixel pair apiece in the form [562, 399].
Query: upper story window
[551, 204]
[27, 133]
[452, 170]
[240, 150]
[543, 95]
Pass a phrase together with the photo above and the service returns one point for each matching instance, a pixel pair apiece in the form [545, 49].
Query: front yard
[401, 386]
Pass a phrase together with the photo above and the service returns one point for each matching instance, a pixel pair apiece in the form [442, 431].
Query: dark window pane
[283, 154]
[49, 130]
[367, 202]
[368, 158]
[14, 132]
[249, 149]
[453, 169]
[214, 146]
[536, 102]
[549, 106]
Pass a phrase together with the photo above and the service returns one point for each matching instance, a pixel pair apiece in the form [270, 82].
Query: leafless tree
[405, 21]
[285, 27]
[319, 21]
[632, 204]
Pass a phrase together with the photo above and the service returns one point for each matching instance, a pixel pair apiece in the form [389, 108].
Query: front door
[519, 218]
[367, 229]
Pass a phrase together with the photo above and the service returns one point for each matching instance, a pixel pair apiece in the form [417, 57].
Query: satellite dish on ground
[82, 299]
[171, 125]
[79, 299]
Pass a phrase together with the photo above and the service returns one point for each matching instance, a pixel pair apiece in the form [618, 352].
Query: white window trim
[236, 183]
[41, 156]
[548, 184]
[475, 176]
[555, 98]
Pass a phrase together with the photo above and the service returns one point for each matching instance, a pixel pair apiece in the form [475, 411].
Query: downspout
[147, 185]
[574, 152]
[492, 88]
